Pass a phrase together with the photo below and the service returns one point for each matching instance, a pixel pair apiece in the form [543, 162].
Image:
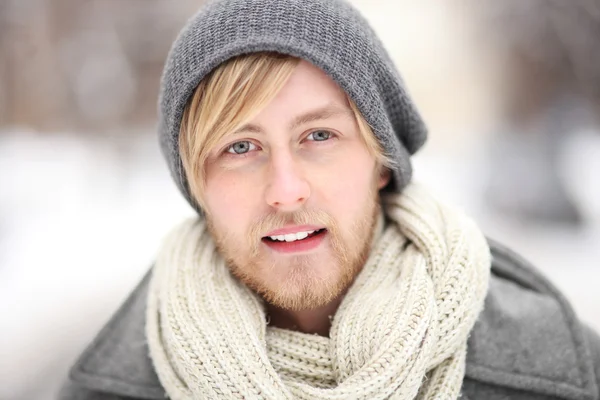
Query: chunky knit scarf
[400, 332]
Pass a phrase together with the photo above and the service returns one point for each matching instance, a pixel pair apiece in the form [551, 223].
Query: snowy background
[83, 206]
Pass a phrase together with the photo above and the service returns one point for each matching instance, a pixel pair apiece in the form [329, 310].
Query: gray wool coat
[526, 344]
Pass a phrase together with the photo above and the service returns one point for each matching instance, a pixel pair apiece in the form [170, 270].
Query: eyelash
[237, 155]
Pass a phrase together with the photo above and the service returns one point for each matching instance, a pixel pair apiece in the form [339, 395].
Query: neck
[314, 321]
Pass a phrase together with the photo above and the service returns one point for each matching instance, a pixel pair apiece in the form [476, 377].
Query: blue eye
[241, 147]
[320, 136]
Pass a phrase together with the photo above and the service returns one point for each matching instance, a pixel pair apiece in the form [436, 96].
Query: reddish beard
[299, 282]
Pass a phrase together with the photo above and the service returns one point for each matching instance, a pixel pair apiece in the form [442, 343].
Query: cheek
[229, 202]
[349, 185]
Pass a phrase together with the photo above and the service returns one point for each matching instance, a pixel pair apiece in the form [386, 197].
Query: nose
[287, 188]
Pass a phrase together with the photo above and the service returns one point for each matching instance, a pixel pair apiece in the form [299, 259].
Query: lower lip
[297, 246]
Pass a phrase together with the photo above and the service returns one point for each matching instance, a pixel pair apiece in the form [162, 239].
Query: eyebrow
[320, 114]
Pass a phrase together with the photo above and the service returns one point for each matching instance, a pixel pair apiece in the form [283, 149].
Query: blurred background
[510, 91]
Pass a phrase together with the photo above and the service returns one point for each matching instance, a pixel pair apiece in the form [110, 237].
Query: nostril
[287, 192]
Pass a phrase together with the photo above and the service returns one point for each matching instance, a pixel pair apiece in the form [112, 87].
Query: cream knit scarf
[400, 332]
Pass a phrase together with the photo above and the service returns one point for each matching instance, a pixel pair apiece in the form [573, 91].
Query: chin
[299, 301]
[305, 290]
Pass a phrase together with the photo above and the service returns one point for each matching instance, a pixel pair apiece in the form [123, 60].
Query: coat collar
[527, 338]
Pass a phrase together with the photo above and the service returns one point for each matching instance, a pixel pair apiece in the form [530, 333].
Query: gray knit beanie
[330, 34]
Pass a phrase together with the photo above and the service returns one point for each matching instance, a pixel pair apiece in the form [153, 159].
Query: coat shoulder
[72, 391]
[528, 340]
[117, 364]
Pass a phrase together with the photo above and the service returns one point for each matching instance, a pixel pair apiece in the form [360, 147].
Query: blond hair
[230, 96]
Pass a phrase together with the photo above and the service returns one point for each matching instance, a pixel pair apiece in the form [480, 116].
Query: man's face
[299, 167]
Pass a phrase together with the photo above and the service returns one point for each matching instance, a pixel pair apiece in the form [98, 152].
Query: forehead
[309, 86]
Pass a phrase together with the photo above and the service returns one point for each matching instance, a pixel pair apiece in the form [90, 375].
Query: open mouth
[310, 235]
[296, 245]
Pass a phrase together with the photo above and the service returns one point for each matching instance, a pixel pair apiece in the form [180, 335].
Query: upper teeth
[290, 237]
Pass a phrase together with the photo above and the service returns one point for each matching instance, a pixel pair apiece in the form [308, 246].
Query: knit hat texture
[330, 34]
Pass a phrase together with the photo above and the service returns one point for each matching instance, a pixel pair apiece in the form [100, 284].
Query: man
[316, 270]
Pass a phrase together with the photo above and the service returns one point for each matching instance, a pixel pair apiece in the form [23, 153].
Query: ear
[384, 177]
